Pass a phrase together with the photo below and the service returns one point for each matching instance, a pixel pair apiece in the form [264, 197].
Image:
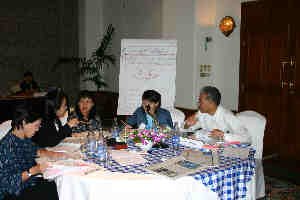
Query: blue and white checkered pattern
[228, 180]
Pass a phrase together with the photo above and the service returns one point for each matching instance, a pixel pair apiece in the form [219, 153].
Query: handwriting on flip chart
[146, 64]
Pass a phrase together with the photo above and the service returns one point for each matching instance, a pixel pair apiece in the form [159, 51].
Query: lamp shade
[227, 25]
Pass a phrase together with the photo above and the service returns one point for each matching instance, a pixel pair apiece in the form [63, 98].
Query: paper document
[124, 157]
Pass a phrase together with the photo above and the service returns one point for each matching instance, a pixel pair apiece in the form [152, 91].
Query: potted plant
[92, 68]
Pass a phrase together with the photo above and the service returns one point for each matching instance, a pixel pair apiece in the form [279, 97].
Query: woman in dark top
[52, 131]
[18, 168]
[85, 112]
[150, 115]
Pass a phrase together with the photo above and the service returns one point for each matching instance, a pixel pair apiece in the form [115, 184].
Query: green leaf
[92, 67]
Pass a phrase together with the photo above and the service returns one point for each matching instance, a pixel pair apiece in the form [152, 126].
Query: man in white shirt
[215, 119]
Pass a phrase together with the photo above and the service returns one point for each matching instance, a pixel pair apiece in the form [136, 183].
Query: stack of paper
[64, 167]
[188, 162]
[124, 157]
[191, 143]
[242, 153]
[65, 147]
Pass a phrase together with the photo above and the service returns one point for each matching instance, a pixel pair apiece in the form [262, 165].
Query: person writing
[18, 168]
[214, 118]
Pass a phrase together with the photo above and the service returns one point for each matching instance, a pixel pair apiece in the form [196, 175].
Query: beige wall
[131, 19]
[178, 22]
[223, 52]
[90, 30]
[188, 21]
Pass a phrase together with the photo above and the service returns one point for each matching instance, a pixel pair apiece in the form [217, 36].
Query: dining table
[232, 178]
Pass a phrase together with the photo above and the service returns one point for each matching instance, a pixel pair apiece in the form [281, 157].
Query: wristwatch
[28, 173]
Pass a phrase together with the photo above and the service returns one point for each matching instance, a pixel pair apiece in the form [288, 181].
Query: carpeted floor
[281, 190]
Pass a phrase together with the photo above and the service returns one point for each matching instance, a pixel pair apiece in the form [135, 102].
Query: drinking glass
[101, 152]
[91, 143]
[125, 135]
[175, 140]
[108, 158]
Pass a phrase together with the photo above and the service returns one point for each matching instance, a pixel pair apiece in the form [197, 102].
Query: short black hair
[82, 95]
[53, 103]
[22, 113]
[28, 73]
[152, 96]
[213, 94]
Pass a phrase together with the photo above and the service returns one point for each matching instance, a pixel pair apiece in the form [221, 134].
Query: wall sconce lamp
[206, 41]
[227, 25]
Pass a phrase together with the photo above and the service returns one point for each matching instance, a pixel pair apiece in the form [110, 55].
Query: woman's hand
[39, 168]
[73, 122]
[127, 127]
[51, 154]
[80, 135]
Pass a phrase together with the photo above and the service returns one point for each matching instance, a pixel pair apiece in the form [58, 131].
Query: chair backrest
[4, 128]
[255, 123]
[177, 115]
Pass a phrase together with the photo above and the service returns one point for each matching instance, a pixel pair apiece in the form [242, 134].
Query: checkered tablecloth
[228, 180]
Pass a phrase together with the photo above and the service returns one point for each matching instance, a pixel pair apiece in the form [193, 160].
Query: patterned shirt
[92, 124]
[16, 156]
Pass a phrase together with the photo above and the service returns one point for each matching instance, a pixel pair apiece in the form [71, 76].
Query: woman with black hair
[52, 131]
[18, 168]
[150, 114]
[85, 112]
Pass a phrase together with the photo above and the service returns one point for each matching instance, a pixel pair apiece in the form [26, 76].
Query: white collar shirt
[225, 121]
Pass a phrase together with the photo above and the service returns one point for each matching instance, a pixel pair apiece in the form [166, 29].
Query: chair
[4, 128]
[256, 123]
[177, 115]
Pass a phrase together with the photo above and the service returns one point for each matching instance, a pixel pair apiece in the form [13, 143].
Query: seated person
[219, 121]
[29, 85]
[52, 131]
[85, 112]
[18, 168]
[150, 115]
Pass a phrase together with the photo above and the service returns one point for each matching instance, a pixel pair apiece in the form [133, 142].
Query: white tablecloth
[108, 185]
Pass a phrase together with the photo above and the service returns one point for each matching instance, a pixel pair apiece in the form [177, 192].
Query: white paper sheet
[124, 157]
[146, 64]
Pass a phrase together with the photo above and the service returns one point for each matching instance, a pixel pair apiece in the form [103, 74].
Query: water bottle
[176, 138]
[115, 129]
[101, 152]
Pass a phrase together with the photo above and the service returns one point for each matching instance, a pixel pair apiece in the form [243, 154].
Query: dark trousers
[44, 190]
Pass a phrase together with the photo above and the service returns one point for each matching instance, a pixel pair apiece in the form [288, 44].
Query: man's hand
[190, 121]
[216, 133]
